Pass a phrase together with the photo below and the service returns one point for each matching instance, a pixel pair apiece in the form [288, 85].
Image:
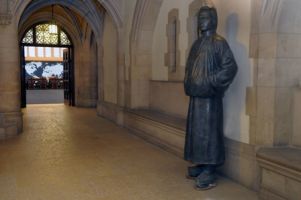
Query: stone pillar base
[111, 112]
[10, 124]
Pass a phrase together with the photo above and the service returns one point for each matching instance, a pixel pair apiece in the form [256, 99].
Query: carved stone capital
[5, 19]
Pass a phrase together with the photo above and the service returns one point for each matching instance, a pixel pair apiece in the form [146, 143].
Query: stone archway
[17, 13]
[85, 91]
[113, 7]
[144, 20]
[88, 10]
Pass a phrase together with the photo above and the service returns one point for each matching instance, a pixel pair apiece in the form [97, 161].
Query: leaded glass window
[28, 38]
[42, 35]
[64, 39]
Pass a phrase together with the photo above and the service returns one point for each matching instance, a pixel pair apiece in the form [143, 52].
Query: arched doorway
[43, 39]
[83, 21]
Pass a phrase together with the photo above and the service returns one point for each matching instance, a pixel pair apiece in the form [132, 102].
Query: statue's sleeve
[200, 87]
[227, 70]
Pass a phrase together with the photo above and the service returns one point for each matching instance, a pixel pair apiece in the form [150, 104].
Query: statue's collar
[208, 33]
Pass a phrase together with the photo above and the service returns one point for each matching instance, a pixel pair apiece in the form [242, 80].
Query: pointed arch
[141, 38]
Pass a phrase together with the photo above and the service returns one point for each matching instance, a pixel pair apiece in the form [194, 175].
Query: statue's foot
[206, 186]
[194, 171]
[207, 179]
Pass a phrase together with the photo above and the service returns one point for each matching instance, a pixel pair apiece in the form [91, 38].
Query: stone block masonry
[10, 124]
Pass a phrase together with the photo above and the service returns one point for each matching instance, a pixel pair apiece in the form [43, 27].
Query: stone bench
[163, 130]
[168, 132]
[280, 173]
[173, 121]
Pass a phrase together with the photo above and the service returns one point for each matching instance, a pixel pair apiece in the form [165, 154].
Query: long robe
[210, 70]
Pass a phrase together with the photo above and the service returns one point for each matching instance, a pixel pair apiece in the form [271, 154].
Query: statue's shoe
[206, 186]
[207, 179]
[194, 171]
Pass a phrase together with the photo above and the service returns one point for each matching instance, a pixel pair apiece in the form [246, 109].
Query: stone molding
[141, 7]
[115, 9]
[173, 55]
[266, 15]
[6, 7]
[5, 19]
[280, 173]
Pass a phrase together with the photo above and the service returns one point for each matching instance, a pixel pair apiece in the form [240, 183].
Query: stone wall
[169, 98]
[110, 61]
[275, 42]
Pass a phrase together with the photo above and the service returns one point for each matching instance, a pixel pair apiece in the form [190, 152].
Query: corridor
[69, 153]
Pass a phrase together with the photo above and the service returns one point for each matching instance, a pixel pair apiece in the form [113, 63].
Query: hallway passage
[69, 153]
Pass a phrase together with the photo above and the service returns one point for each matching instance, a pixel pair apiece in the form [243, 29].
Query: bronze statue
[210, 69]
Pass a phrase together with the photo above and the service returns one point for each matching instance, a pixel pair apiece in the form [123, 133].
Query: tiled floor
[70, 154]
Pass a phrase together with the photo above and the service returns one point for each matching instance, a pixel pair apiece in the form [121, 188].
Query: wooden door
[68, 77]
[23, 78]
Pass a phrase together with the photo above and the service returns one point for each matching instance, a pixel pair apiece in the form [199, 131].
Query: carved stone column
[10, 112]
[5, 11]
[270, 113]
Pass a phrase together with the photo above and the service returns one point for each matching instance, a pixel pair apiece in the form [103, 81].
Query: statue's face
[205, 21]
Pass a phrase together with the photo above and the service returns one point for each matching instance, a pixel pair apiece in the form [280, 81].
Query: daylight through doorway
[47, 67]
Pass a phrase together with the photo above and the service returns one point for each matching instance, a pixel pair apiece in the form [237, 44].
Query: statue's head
[207, 19]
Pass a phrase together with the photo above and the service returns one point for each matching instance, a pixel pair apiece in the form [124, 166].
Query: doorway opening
[47, 67]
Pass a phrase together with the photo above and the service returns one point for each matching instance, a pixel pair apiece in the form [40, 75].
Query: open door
[68, 77]
[23, 74]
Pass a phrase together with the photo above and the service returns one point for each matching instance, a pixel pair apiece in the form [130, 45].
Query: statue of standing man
[210, 69]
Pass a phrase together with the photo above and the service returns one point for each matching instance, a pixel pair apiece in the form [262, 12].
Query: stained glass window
[28, 38]
[44, 36]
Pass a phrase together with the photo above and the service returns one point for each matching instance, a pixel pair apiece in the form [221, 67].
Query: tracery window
[64, 39]
[43, 34]
[28, 37]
